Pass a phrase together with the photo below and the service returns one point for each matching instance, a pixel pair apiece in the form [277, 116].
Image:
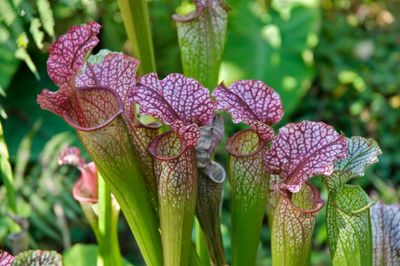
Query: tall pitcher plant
[162, 181]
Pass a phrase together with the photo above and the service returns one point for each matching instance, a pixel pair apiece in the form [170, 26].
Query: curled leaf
[86, 188]
[251, 102]
[180, 102]
[293, 225]
[361, 153]
[6, 259]
[303, 150]
[349, 227]
[201, 36]
[210, 136]
[210, 183]
[114, 71]
[385, 221]
[68, 52]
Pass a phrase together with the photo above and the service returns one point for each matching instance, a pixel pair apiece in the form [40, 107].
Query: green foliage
[84, 255]
[274, 45]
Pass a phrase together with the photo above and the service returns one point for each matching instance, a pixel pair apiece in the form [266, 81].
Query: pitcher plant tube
[93, 98]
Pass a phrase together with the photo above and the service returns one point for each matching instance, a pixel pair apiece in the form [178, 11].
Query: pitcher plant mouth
[157, 145]
[236, 142]
[317, 202]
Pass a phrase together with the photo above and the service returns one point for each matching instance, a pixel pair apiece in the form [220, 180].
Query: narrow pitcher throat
[316, 202]
[246, 143]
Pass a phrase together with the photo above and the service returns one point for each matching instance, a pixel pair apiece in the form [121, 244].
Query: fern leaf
[37, 34]
[7, 13]
[46, 16]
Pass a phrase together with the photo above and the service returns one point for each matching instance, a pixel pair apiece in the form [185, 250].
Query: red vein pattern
[85, 188]
[293, 225]
[251, 102]
[180, 102]
[6, 259]
[115, 71]
[303, 150]
[67, 54]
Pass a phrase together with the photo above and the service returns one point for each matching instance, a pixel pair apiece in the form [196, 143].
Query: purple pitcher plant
[163, 180]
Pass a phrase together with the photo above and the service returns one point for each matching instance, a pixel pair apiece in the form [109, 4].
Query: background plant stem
[109, 254]
[201, 246]
[137, 26]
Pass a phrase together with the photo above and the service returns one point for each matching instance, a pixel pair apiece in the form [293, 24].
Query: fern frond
[46, 16]
[22, 54]
[37, 34]
[4, 34]
[7, 12]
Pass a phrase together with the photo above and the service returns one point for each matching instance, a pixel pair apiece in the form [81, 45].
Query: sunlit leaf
[46, 16]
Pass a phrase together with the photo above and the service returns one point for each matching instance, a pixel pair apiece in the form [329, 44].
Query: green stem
[108, 254]
[137, 25]
[201, 246]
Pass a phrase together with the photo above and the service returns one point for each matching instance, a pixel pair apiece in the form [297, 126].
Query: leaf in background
[361, 153]
[349, 227]
[251, 102]
[8, 65]
[46, 16]
[38, 257]
[385, 221]
[22, 54]
[84, 255]
[7, 12]
[273, 47]
[303, 150]
[37, 34]
[293, 225]
[201, 36]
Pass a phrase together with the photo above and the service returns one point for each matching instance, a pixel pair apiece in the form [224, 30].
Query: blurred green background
[334, 61]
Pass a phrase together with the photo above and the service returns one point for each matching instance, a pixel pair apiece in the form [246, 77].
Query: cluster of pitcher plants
[161, 173]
